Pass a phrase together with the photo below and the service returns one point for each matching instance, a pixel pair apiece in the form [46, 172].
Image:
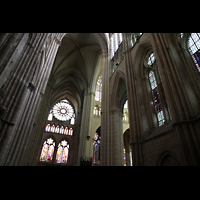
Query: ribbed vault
[74, 66]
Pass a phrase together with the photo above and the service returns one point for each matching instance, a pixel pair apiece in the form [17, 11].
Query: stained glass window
[62, 152]
[124, 156]
[72, 121]
[48, 128]
[194, 48]
[131, 160]
[116, 39]
[59, 129]
[50, 116]
[70, 131]
[52, 128]
[47, 150]
[181, 34]
[63, 111]
[66, 131]
[156, 98]
[98, 91]
[151, 59]
[130, 154]
[97, 143]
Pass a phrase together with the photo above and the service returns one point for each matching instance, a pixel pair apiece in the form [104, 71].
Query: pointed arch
[168, 158]
[118, 90]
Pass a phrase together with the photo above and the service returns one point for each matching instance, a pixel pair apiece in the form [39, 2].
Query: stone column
[105, 117]
[133, 105]
[8, 48]
[21, 109]
[116, 150]
[85, 137]
[41, 97]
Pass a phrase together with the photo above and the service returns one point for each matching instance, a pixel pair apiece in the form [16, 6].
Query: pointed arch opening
[168, 158]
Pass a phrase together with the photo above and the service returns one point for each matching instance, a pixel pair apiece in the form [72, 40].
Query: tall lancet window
[194, 48]
[98, 92]
[156, 98]
[155, 89]
[47, 150]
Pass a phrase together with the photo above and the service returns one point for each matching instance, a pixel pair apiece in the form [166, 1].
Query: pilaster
[85, 138]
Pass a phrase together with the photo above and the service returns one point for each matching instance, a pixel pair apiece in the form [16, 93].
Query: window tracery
[62, 152]
[63, 111]
[65, 128]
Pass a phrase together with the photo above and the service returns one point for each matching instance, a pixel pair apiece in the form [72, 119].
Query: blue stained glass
[156, 98]
[97, 143]
[194, 48]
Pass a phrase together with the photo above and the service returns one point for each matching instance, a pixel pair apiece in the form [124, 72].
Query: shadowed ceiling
[74, 66]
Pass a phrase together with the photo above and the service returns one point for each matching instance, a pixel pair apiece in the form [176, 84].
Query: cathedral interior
[99, 99]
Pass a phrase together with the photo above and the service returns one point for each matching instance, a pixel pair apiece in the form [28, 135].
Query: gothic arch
[143, 89]
[168, 158]
[47, 136]
[141, 54]
[118, 90]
